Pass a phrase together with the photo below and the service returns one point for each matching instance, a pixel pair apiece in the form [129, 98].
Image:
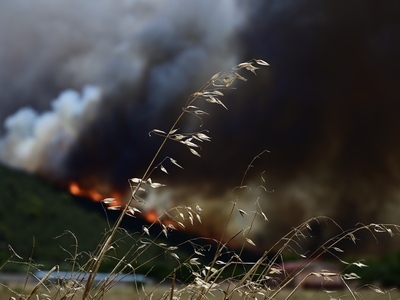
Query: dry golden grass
[129, 292]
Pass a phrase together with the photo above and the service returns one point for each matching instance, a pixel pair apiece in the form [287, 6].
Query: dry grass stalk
[210, 92]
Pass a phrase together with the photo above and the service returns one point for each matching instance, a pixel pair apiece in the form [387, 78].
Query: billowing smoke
[39, 142]
[327, 109]
[144, 57]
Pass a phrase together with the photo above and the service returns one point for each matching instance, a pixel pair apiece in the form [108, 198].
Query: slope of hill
[33, 213]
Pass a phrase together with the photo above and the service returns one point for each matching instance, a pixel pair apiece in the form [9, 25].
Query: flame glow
[92, 194]
[151, 216]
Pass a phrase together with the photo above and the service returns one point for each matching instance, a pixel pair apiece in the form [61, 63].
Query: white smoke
[38, 142]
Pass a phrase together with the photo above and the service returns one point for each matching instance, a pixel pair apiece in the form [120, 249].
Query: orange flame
[151, 216]
[92, 194]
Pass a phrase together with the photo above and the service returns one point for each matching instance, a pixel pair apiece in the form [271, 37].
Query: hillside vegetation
[39, 221]
[33, 213]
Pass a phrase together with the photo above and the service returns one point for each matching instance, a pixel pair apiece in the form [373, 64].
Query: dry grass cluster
[211, 268]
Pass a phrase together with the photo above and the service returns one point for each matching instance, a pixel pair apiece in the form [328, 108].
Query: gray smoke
[142, 52]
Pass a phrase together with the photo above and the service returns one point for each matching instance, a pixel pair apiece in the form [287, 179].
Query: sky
[82, 84]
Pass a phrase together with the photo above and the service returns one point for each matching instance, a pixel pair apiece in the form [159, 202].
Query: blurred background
[82, 84]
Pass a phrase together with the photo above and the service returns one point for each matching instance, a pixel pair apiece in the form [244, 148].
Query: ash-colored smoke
[142, 54]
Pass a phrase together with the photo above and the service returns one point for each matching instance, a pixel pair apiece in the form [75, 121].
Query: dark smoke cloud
[327, 108]
[330, 118]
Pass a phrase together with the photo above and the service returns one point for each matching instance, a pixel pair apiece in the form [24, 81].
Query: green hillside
[33, 212]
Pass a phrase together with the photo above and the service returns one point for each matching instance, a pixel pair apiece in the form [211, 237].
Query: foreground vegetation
[131, 292]
[207, 267]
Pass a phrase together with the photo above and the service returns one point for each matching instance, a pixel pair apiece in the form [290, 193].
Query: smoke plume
[143, 56]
